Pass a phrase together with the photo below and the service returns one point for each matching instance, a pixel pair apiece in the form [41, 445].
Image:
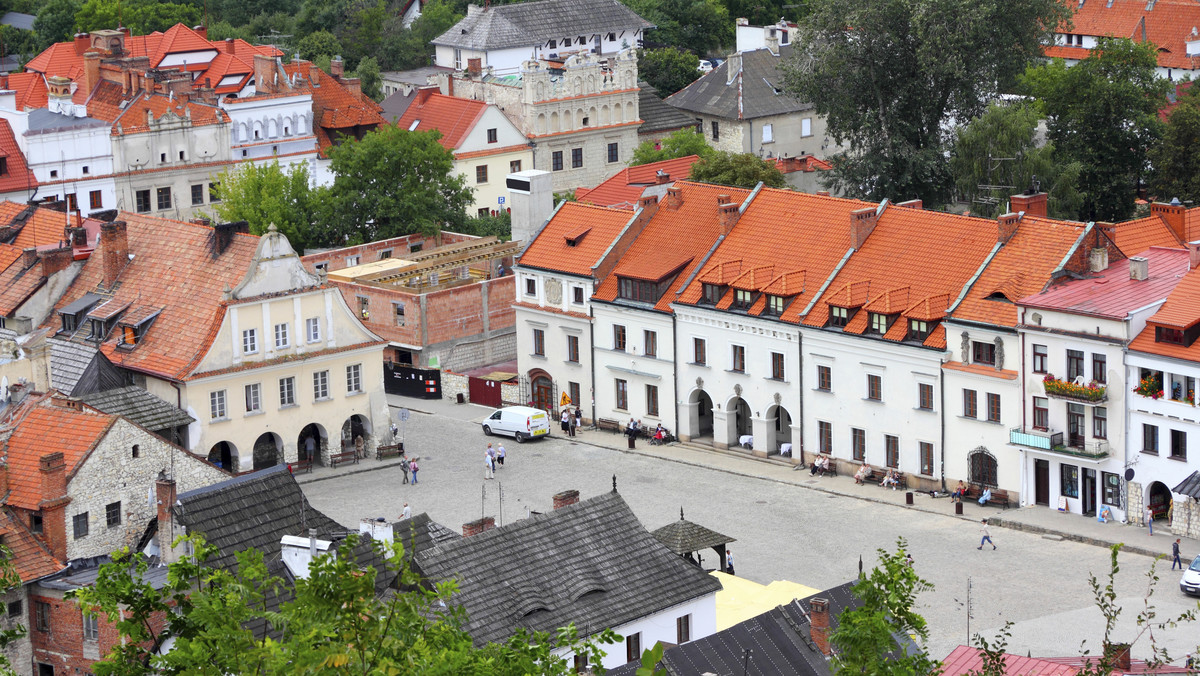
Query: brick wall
[453, 313]
[63, 646]
[383, 314]
[500, 295]
[335, 259]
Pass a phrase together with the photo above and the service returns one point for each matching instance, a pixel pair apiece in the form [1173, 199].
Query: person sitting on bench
[987, 495]
[862, 473]
[890, 480]
[820, 466]
[958, 493]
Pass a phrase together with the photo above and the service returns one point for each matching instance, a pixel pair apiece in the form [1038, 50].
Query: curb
[1040, 530]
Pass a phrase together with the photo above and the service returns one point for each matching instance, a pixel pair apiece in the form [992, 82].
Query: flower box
[1066, 389]
[1149, 387]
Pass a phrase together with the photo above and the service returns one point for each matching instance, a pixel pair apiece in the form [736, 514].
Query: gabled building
[32, 561]
[17, 181]
[1167, 24]
[624, 188]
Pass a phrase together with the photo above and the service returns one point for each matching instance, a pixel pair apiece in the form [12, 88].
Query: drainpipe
[800, 382]
[1024, 459]
[1125, 441]
[942, 392]
[592, 354]
[675, 368]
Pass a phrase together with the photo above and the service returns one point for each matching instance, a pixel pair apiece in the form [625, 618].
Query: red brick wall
[62, 645]
[382, 315]
[336, 258]
[453, 313]
[501, 293]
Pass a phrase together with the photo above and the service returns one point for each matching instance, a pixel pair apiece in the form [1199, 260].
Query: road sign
[564, 400]
[402, 415]
[500, 200]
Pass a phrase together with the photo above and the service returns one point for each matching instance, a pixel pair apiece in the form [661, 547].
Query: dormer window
[566, 42]
[72, 313]
[712, 294]
[880, 323]
[742, 299]
[553, 44]
[636, 289]
[839, 316]
[775, 305]
[1163, 334]
[918, 330]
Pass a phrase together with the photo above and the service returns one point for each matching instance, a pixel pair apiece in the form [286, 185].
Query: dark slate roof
[762, 77]
[683, 537]
[656, 115]
[68, 361]
[42, 120]
[591, 563]
[18, 20]
[1189, 486]
[83, 573]
[530, 23]
[780, 640]
[396, 104]
[419, 532]
[139, 406]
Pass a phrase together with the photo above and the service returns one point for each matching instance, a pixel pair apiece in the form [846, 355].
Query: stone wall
[1135, 510]
[20, 651]
[1185, 517]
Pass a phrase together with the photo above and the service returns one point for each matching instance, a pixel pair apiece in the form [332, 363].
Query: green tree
[686, 24]
[335, 624]
[1176, 160]
[1103, 113]
[393, 182]
[999, 148]
[9, 580]
[742, 170]
[499, 226]
[765, 12]
[222, 30]
[368, 73]
[887, 74]
[319, 43]
[404, 48]
[268, 194]
[140, 16]
[866, 637]
[669, 69]
[680, 143]
[55, 21]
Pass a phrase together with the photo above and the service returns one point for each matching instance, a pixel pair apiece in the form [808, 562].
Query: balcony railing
[1053, 442]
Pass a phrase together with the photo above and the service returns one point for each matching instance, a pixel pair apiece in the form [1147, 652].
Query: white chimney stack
[531, 198]
[298, 553]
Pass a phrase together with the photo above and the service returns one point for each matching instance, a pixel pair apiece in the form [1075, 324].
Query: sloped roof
[1166, 23]
[531, 23]
[419, 532]
[452, 116]
[684, 537]
[17, 282]
[334, 106]
[17, 175]
[1111, 293]
[49, 428]
[755, 91]
[550, 250]
[968, 660]
[139, 407]
[1139, 234]
[36, 227]
[1189, 486]
[1181, 311]
[591, 563]
[657, 116]
[133, 119]
[30, 557]
[622, 189]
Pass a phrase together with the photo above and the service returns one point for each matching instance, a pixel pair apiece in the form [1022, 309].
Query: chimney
[423, 94]
[862, 222]
[223, 235]
[819, 624]
[55, 260]
[91, 71]
[648, 202]
[54, 503]
[733, 66]
[565, 498]
[114, 249]
[82, 43]
[1008, 224]
[728, 215]
[17, 392]
[354, 85]
[202, 30]
[723, 199]
[912, 204]
[28, 257]
[674, 198]
[478, 526]
[1139, 268]
[1193, 255]
[1173, 215]
[164, 493]
[661, 177]
[771, 41]
[264, 73]
[314, 74]
[1098, 259]
[1119, 658]
[1033, 204]
[474, 67]
[299, 552]
[337, 67]
[229, 46]
[531, 194]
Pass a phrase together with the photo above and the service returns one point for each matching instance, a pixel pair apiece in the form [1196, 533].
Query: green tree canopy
[1176, 160]
[406, 48]
[393, 182]
[669, 69]
[999, 148]
[141, 16]
[686, 24]
[318, 43]
[1103, 113]
[266, 194]
[368, 73]
[887, 74]
[680, 143]
[55, 21]
[741, 169]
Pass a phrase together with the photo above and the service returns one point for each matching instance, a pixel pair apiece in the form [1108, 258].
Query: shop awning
[1190, 486]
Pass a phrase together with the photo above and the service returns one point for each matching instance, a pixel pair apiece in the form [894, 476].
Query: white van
[521, 422]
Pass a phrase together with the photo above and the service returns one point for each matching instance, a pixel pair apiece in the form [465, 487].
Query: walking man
[500, 453]
[572, 420]
[987, 536]
[407, 512]
[729, 561]
[412, 466]
[1150, 520]
[489, 460]
[404, 468]
[1175, 555]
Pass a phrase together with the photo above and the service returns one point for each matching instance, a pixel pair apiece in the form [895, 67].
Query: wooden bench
[300, 466]
[342, 458]
[390, 451]
[999, 495]
[832, 471]
[613, 426]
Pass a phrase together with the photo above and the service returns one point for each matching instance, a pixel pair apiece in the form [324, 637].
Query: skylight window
[413, 126]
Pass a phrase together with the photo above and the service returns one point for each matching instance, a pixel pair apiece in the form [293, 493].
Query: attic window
[742, 299]
[1164, 334]
[576, 236]
[880, 323]
[413, 126]
[775, 305]
[712, 294]
[566, 42]
[998, 295]
[839, 316]
[918, 330]
[636, 289]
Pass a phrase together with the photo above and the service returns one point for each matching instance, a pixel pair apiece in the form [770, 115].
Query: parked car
[1190, 582]
[519, 422]
[705, 66]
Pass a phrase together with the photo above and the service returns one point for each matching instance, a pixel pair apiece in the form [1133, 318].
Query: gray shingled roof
[140, 407]
[762, 85]
[531, 23]
[591, 564]
[419, 532]
[68, 361]
[656, 115]
[684, 537]
[1189, 486]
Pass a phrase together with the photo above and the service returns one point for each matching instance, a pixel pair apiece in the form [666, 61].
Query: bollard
[958, 508]
[908, 498]
[630, 442]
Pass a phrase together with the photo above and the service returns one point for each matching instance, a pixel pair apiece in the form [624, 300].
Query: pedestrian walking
[407, 512]
[404, 468]
[729, 561]
[1150, 520]
[310, 446]
[573, 421]
[1175, 555]
[359, 447]
[412, 467]
[565, 421]
[578, 417]
[987, 536]
[500, 453]
[395, 433]
[489, 464]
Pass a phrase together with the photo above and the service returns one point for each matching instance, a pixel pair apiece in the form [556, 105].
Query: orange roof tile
[17, 284]
[754, 279]
[180, 39]
[722, 273]
[1140, 234]
[42, 228]
[623, 189]
[49, 428]
[31, 559]
[1165, 23]
[452, 116]
[17, 175]
[8, 255]
[173, 266]
[133, 119]
[1182, 308]
[550, 250]
[334, 106]
[787, 284]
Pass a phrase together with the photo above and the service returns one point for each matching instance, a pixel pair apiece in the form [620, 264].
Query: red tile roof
[1111, 293]
[133, 119]
[49, 428]
[551, 250]
[17, 175]
[1140, 234]
[30, 557]
[623, 189]
[965, 660]
[17, 284]
[1166, 23]
[334, 106]
[43, 228]
[452, 116]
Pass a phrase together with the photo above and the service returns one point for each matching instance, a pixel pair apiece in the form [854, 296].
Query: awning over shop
[1190, 486]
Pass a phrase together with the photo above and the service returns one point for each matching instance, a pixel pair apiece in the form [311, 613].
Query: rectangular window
[577, 295]
[539, 343]
[925, 396]
[96, 199]
[35, 522]
[214, 192]
[742, 299]
[918, 330]
[650, 338]
[1150, 439]
[492, 136]
[874, 387]
[281, 336]
[892, 445]
[983, 353]
[514, 166]
[613, 155]
[253, 398]
[321, 385]
[481, 174]
[287, 391]
[775, 305]
[556, 160]
[805, 123]
[683, 629]
[970, 404]
[858, 443]
[1074, 364]
[824, 378]
[711, 294]
[993, 407]
[1076, 425]
[1099, 368]
[398, 313]
[777, 365]
[926, 457]
[699, 351]
[652, 400]
[768, 133]
[576, 158]
[737, 359]
[15, 608]
[622, 394]
[1179, 444]
[838, 316]
[164, 199]
[41, 619]
[250, 341]
[354, 379]
[112, 514]
[716, 131]
[1112, 489]
[216, 404]
[1069, 481]
[198, 194]
[91, 627]
[618, 337]
[573, 391]
[79, 523]
[364, 303]
[1100, 422]
[573, 349]
[312, 328]
[825, 436]
[530, 286]
[879, 323]
[1041, 413]
[633, 647]
[1040, 358]
[142, 201]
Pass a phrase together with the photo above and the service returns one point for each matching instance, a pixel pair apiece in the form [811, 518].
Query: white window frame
[250, 341]
[354, 379]
[768, 133]
[806, 127]
[254, 398]
[287, 391]
[282, 339]
[312, 329]
[217, 405]
[321, 385]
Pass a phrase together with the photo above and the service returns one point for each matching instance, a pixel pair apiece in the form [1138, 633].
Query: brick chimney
[648, 202]
[114, 250]
[82, 42]
[724, 199]
[54, 503]
[230, 46]
[478, 526]
[818, 610]
[474, 67]
[1139, 268]
[164, 493]
[912, 204]
[1033, 204]
[264, 73]
[822, 193]
[1118, 654]
[862, 222]
[1173, 215]
[91, 71]
[353, 85]
[661, 177]
[674, 199]
[337, 67]
[1193, 255]
[728, 215]
[202, 30]
[565, 498]
[55, 260]
[1008, 224]
[28, 257]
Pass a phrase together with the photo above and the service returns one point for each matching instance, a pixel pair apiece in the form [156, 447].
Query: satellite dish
[1129, 474]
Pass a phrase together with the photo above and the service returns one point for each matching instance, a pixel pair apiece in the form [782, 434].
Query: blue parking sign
[500, 199]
